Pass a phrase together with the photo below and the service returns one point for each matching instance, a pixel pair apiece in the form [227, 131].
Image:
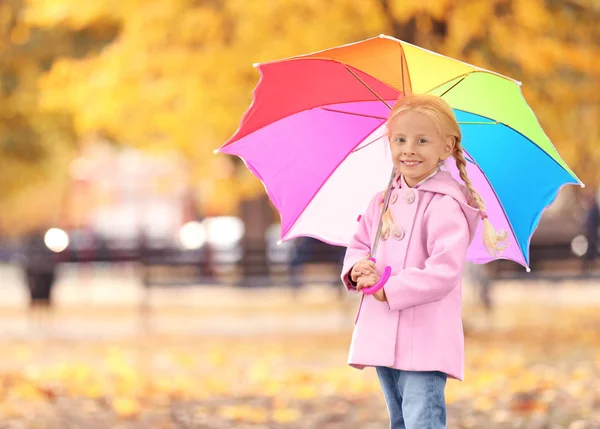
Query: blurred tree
[177, 74]
[180, 75]
[35, 143]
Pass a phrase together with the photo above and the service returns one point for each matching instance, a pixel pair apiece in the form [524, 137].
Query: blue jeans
[415, 400]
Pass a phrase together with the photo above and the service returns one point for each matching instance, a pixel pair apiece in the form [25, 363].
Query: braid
[492, 239]
[461, 164]
[388, 220]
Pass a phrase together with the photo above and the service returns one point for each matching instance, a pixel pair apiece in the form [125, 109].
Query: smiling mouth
[410, 163]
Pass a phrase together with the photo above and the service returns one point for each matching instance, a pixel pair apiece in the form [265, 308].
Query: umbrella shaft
[386, 203]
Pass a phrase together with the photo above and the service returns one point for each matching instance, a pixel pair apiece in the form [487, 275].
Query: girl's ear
[449, 146]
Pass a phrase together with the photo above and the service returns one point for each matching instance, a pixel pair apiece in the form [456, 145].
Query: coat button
[409, 197]
[398, 234]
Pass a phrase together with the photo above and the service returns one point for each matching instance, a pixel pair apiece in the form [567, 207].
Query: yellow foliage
[244, 413]
[26, 391]
[178, 75]
[70, 12]
[126, 407]
[286, 415]
[510, 375]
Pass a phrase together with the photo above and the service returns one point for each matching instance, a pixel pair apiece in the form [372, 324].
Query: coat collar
[442, 182]
[401, 181]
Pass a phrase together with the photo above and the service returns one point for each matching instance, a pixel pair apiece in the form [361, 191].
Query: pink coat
[419, 328]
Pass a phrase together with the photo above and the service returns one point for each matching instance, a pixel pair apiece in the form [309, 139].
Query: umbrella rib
[446, 91]
[461, 76]
[352, 113]
[367, 144]
[402, 67]
[479, 123]
[367, 86]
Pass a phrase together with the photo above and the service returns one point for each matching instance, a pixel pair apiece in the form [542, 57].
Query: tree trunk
[257, 216]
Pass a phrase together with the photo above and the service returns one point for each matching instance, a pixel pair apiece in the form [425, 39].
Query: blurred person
[411, 329]
[38, 263]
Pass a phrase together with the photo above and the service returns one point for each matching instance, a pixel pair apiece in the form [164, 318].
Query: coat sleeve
[447, 243]
[360, 244]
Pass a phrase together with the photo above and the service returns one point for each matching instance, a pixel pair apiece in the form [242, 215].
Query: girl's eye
[399, 139]
[422, 140]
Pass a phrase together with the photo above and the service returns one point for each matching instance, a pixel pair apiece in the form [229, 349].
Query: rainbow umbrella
[315, 136]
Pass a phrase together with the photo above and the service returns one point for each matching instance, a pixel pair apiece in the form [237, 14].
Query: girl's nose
[409, 148]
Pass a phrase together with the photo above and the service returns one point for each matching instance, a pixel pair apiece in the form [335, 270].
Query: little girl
[411, 329]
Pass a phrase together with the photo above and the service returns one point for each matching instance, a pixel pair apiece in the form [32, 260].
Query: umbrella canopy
[315, 136]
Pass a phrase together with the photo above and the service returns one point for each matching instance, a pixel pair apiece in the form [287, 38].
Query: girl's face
[417, 146]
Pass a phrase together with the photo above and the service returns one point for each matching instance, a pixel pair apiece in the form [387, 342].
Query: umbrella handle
[382, 281]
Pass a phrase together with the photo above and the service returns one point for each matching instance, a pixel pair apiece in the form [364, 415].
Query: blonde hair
[440, 112]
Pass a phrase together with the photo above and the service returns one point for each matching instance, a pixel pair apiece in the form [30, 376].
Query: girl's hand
[371, 280]
[367, 281]
[380, 295]
[364, 267]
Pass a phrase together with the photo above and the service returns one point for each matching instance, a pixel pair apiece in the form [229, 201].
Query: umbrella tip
[582, 185]
[519, 83]
[279, 242]
[528, 269]
[216, 151]
[255, 65]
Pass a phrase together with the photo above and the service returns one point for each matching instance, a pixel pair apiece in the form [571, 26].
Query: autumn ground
[222, 358]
